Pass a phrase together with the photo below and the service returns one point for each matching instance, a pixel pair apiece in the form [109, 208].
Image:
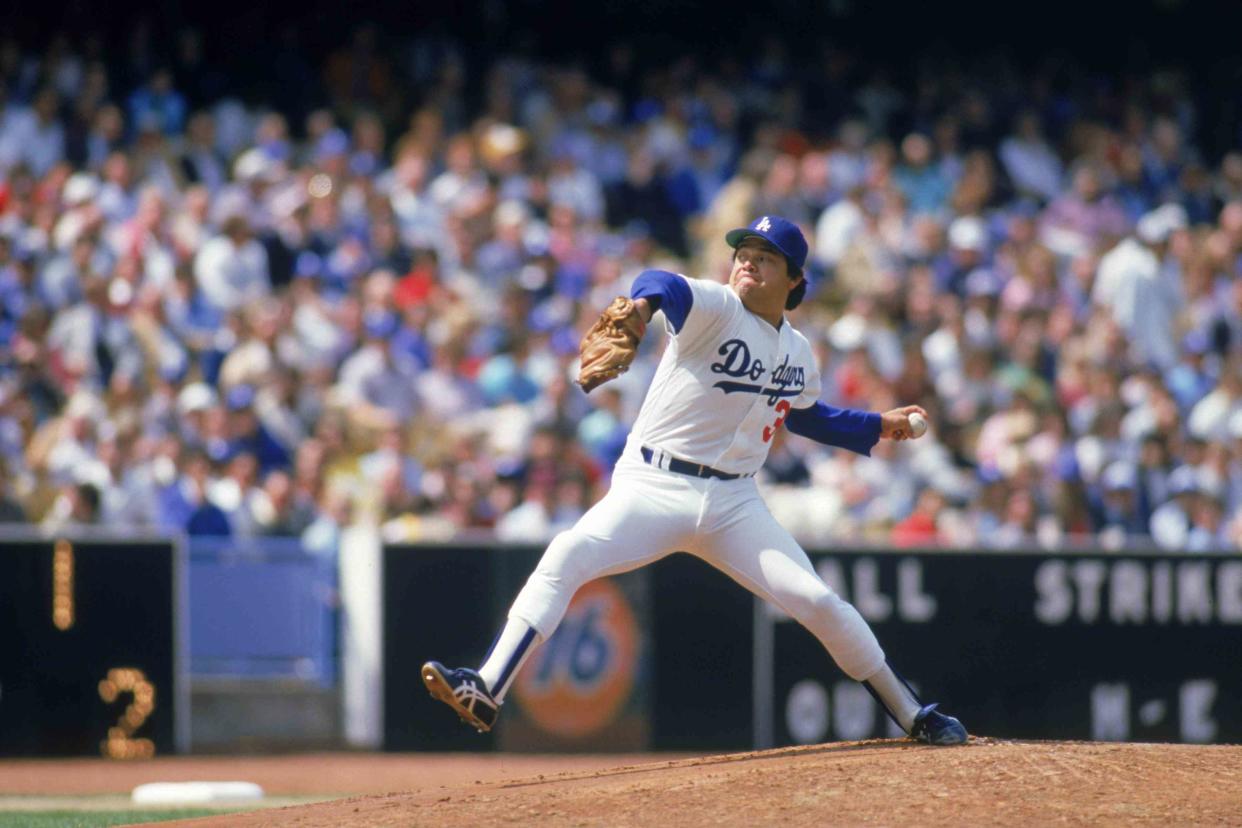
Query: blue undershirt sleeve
[844, 428]
[667, 292]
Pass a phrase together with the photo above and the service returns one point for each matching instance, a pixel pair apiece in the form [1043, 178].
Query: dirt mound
[888, 782]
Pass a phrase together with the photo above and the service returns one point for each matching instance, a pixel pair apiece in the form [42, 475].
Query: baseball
[918, 424]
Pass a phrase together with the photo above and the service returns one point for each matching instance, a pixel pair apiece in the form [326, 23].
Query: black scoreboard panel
[1030, 645]
[89, 635]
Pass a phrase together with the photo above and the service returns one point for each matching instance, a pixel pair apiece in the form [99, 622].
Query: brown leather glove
[610, 346]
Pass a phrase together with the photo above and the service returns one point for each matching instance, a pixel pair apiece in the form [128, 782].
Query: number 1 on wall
[63, 607]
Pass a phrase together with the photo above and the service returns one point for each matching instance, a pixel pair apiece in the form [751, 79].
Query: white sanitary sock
[895, 695]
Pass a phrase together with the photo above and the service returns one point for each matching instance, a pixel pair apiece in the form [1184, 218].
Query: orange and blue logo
[579, 681]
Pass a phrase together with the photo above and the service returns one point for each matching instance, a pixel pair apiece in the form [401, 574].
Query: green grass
[93, 819]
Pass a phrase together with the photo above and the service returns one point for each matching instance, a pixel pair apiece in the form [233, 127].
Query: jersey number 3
[782, 409]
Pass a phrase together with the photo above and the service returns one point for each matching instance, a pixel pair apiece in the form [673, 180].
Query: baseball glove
[609, 347]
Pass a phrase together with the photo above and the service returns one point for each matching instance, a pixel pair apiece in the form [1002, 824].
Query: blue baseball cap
[781, 233]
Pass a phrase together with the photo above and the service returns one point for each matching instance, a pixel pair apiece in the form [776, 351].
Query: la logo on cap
[763, 224]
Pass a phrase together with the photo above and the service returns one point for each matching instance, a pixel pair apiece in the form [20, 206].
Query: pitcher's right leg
[646, 515]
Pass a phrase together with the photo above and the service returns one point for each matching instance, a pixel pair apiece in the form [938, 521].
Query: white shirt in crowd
[230, 275]
[1143, 299]
[835, 231]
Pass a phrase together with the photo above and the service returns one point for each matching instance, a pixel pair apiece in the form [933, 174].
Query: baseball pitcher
[735, 372]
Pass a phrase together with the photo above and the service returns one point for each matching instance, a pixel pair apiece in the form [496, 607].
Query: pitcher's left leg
[762, 556]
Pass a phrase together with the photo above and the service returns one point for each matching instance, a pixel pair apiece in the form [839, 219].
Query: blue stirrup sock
[510, 649]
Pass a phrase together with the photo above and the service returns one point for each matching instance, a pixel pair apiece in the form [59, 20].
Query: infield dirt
[884, 782]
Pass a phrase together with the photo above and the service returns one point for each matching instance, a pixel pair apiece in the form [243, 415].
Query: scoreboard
[1136, 647]
[90, 648]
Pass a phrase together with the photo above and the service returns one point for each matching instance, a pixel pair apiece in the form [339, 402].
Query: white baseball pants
[650, 513]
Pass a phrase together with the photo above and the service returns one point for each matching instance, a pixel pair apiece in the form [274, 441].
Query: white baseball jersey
[725, 384]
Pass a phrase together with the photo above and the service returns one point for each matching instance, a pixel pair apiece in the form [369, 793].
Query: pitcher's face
[760, 276]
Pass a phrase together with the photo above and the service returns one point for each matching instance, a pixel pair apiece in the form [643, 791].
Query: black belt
[685, 466]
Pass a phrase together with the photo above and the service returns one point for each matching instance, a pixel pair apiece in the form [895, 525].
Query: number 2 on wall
[782, 409]
[121, 743]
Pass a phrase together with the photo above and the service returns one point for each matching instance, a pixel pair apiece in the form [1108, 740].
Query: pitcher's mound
[890, 782]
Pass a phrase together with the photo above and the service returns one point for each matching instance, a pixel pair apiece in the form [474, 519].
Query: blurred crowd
[228, 318]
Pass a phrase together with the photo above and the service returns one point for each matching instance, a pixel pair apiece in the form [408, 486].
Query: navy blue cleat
[464, 691]
[935, 728]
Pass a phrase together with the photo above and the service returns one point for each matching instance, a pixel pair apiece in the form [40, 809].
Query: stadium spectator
[231, 268]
